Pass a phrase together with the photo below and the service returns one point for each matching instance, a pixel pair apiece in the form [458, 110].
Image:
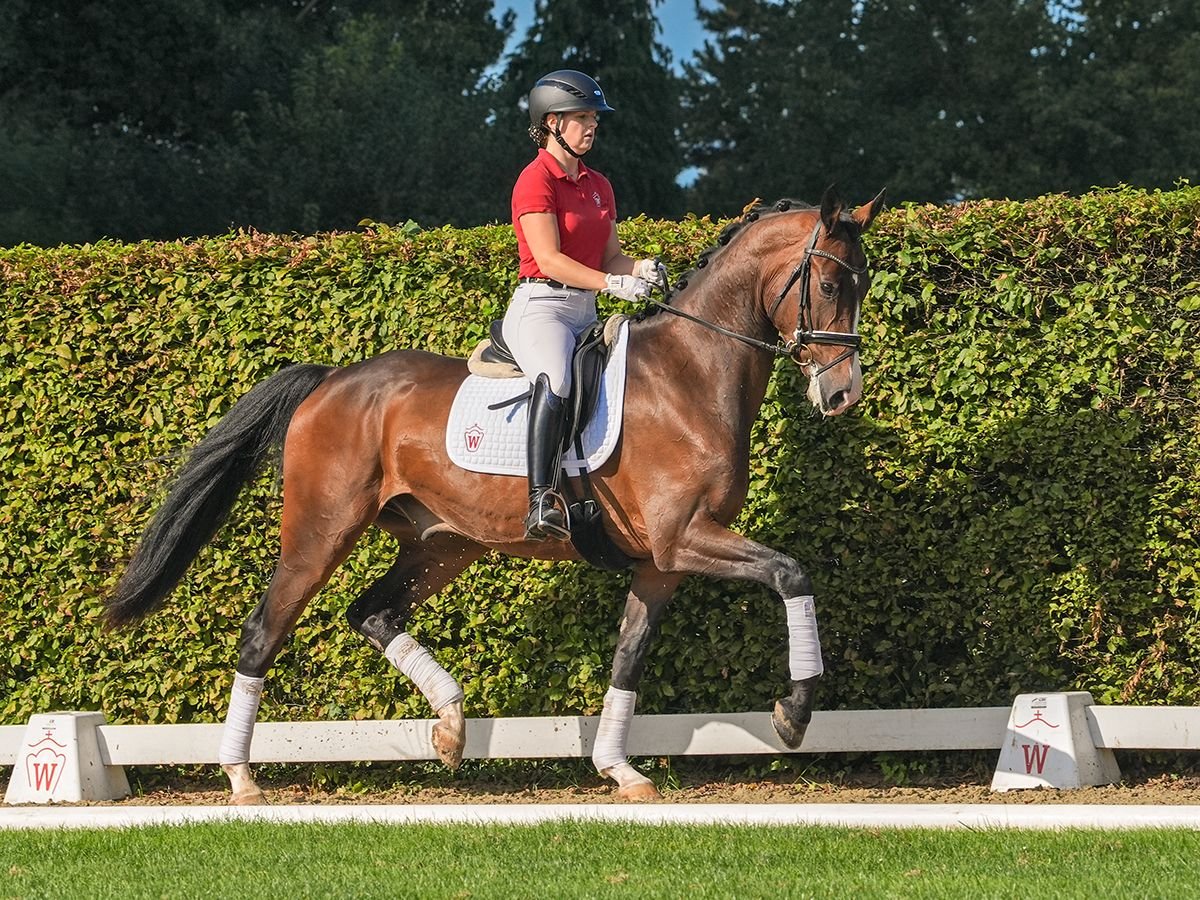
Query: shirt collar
[553, 167]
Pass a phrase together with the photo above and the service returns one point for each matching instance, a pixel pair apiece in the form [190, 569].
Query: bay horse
[365, 445]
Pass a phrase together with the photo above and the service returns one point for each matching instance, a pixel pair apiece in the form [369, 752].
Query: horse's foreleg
[648, 596]
[383, 609]
[793, 713]
[710, 549]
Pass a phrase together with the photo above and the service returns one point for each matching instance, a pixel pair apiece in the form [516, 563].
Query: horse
[364, 445]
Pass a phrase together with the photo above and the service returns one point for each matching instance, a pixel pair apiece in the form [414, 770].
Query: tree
[1123, 109]
[614, 42]
[773, 108]
[161, 118]
[941, 99]
[384, 123]
[104, 105]
[952, 86]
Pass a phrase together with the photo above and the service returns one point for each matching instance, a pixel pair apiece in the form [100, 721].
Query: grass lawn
[573, 859]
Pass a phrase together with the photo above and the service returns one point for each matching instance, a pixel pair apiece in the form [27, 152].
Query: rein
[777, 348]
[804, 335]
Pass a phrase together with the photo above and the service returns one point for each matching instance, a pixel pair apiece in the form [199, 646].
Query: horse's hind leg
[647, 600]
[312, 546]
[380, 614]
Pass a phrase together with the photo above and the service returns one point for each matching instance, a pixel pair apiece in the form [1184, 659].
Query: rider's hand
[651, 271]
[626, 287]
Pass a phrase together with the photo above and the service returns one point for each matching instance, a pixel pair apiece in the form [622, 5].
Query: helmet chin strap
[562, 142]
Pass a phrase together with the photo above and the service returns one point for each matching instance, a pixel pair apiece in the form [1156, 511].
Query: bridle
[804, 335]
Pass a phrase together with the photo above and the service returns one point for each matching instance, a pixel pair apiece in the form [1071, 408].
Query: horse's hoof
[631, 784]
[249, 798]
[643, 791]
[790, 730]
[449, 746]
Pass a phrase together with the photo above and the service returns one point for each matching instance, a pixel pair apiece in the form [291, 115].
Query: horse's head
[817, 307]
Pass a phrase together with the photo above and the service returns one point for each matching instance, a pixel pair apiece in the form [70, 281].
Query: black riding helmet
[564, 90]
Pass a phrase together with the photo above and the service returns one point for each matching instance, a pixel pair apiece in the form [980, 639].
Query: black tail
[205, 488]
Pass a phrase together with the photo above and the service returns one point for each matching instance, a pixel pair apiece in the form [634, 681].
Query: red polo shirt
[585, 209]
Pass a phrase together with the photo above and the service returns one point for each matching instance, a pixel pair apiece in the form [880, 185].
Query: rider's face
[579, 128]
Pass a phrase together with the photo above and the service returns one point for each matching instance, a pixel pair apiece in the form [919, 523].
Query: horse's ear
[831, 208]
[865, 215]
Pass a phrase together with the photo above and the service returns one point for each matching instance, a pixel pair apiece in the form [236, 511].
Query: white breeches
[540, 327]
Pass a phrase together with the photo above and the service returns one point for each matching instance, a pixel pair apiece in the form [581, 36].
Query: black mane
[748, 217]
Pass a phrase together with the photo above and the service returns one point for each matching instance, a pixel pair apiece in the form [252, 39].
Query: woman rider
[564, 215]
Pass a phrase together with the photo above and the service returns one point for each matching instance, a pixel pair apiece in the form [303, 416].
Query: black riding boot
[547, 511]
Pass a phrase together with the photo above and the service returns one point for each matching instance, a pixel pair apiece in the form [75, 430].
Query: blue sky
[681, 31]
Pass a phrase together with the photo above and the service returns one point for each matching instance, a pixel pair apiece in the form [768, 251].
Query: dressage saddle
[587, 371]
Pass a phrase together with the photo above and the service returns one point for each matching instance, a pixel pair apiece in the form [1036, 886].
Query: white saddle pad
[493, 440]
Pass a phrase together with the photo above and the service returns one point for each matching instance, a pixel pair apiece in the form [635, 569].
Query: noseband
[804, 335]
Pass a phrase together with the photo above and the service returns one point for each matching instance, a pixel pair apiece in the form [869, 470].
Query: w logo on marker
[44, 769]
[1035, 755]
[473, 437]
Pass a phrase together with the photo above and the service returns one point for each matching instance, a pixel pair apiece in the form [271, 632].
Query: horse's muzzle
[834, 389]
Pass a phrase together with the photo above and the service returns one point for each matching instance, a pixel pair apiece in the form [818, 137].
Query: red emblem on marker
[44, 767]
[1035, 755]
[1037, 719]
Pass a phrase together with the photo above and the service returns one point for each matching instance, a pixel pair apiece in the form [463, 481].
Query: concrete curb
[874, 815]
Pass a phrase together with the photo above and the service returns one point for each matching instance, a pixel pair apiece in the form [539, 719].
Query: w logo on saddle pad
[492, 441]
[473, 438]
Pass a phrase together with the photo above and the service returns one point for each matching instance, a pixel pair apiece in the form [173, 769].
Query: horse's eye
[828, 288]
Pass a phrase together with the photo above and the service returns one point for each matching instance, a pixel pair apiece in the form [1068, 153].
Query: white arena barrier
[1057, 740]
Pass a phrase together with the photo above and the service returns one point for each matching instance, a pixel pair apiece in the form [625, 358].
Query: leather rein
[804, 335]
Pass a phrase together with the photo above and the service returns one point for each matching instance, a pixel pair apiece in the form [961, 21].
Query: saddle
[493, 359]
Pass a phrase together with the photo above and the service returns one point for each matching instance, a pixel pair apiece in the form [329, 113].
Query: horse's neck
[727, 376]
[716, 373]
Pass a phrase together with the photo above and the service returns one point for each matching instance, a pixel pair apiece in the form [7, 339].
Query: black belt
[547, 281]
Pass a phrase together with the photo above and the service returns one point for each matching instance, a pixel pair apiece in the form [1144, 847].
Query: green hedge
[1012, 506]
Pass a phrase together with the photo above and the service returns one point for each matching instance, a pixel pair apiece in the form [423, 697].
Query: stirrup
[547, 517]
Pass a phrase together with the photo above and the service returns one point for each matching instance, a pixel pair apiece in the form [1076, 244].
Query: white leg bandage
[438, 685]
[239, 724]
[804, 644]
[613, 734]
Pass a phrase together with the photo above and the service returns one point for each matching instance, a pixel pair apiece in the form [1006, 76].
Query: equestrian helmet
[565, 90]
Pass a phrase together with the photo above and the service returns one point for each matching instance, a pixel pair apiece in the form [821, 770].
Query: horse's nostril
[835, 400]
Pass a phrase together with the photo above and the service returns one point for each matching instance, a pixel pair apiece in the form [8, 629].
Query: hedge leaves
[1010, 508]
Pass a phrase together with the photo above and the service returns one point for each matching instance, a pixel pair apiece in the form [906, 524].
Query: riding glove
[651, 271]
[626, 287]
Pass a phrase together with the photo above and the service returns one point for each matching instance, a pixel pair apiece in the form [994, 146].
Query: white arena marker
[1049, 744]
[59, 761]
